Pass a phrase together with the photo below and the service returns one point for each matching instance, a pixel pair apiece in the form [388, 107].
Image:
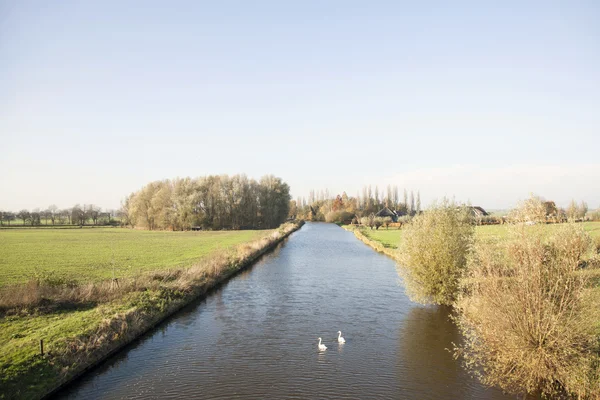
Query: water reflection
[425, 342]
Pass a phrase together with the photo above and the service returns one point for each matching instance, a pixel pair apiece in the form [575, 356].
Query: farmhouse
[477, 211]
[386, 212]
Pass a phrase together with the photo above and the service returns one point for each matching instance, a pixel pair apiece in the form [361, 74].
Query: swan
[340, 338]
[322, 347]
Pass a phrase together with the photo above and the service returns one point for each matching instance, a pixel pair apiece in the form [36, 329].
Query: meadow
[105, 253]
[390, 238]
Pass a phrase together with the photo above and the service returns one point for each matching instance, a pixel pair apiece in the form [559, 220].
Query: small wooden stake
[42, 347]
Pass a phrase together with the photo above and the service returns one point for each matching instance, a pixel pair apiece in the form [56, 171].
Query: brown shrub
[526, 316]
[433, 252]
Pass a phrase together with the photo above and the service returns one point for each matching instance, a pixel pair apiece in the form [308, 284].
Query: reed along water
[256, 336]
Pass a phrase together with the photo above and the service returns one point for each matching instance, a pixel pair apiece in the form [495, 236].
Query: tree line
[209, 202]
[76, 215]
[321, 206]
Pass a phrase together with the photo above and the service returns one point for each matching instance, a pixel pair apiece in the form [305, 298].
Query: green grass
[88, 254]
[24, 371]
[391, 237]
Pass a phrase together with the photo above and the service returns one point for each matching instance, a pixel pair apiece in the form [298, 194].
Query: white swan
[322, 347]
[340, 338]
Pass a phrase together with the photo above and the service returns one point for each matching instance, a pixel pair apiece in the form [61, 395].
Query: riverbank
[583, 271]
[377, 245]
[83, 334]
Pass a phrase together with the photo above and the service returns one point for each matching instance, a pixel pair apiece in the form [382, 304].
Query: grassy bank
[83, 322]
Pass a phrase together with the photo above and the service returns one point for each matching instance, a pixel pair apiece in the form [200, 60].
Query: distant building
[478, 212]
[386, 212]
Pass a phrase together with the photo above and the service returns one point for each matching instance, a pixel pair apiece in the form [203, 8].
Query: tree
[77, 215]
[93, 212]
[8, 217]
[418, 209]
[405, 202]
[434, 250]
[378, 221]
[35, 217]
[387, 221]
[52, 209]
[46, 215]
[338, 203]
[582, 210]
[24, 215]
[395, 198]
[125, 212]
[368, 221]
[573, 211]
[66, 215]
[532, 210]
[412, 203]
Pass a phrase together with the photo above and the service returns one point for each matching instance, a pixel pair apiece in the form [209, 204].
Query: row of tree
[321, 206]
[76, 215]
[210, 202]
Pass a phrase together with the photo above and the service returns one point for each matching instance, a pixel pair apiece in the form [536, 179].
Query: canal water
[256, 337]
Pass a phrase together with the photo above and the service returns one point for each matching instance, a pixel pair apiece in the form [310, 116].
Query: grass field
[391, 237]
[95, 254]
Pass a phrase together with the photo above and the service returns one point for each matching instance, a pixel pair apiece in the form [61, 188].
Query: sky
[482, 102]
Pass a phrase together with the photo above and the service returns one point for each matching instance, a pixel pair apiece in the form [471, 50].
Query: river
[256, 336]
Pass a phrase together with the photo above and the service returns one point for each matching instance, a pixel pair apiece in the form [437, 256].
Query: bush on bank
[527, 316]
[433, 252]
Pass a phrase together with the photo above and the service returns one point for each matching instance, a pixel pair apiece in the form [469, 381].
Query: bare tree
[93, 212]
[35, 217]
[46, 215]
[53, 212]
[24, 215]
[8, 216]
[573, 211]
[77, 215]
[582, 210]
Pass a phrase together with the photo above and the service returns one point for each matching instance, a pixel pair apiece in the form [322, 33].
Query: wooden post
[42, 347]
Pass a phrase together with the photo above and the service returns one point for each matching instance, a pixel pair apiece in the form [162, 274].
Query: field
[391, 237]
[95, 254]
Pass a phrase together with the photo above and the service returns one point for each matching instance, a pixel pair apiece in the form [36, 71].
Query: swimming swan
[322, 347]
[340, 338]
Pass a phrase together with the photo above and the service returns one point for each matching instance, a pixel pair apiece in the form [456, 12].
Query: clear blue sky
[483, 102]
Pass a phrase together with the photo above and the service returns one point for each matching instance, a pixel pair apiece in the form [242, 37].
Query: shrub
[368, 221]
[531, 210]
[342, 217]
[404, 219]
[433, 252]
[525, 316]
